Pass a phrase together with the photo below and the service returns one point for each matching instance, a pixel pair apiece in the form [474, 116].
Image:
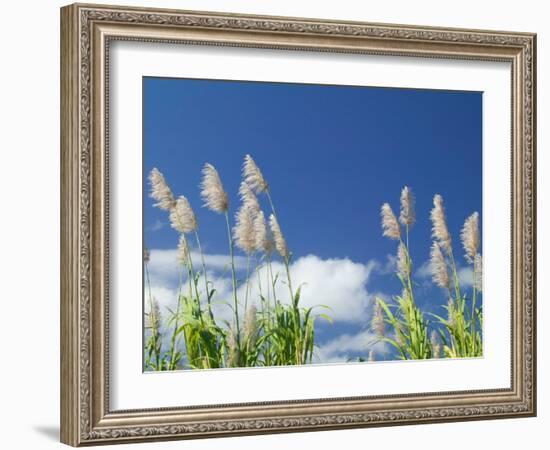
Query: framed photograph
[276, 224]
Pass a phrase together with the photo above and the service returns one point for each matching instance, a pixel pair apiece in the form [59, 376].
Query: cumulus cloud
[346, 346]
[389, 265]
[424, 271]
[156, 226]
[466, 276]
[339, 284]
[164, 268]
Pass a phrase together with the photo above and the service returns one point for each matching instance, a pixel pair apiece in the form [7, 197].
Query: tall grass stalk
[206, 287]
[279, 334]
[153, 344]
[457, 335]
[460, 334]
[410, 329]
[234, 280]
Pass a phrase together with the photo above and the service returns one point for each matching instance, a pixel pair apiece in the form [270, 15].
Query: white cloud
[343, 347]
[466, 277]
[165, 297]
[156, 226]
[389, 266]
[424, 271]
[164, 268]
[340, 284]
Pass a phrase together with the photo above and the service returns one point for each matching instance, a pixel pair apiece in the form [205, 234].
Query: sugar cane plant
[279, 333]
[457, 335]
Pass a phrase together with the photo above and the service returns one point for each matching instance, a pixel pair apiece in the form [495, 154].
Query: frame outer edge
[534, 158]
[69, 208]
[79, 425]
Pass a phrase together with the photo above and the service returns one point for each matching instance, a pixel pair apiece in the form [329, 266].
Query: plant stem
[247, 282]
[271, 203]
[234, 277]
[176, 322]
[473, 318]
[289, 282]
[455, 275]
[204, 274]
[150, 303]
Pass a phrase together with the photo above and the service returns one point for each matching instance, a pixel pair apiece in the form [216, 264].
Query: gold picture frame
[86, 33]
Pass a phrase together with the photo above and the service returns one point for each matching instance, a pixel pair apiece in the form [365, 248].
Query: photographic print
[288, 224]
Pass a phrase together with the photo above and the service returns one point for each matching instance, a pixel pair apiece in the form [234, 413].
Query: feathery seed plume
[243, 232]
[450, 313]
[436, 346]
[183, 251]
[160, 190]
[249, 199]
[153, 318]
[400, 336]
[253, 176]
[377, 323]
[390, 225]
[264, 242]
[212, 192]
[280, 243]
[233, 352]
[407, 215]
[402, 263]
[478, 273]
[470, 237]
[251, 326]
[439, 224]
[438, 266]
[182, 217]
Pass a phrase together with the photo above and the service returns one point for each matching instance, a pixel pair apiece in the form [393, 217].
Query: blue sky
[332, 156]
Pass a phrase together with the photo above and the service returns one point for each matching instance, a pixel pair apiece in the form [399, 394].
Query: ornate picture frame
[87, 31]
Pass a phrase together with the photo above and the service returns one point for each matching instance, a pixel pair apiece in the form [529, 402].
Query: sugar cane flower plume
[154, 318]
[377, 323]
[264, 242]
[438, 266]
[403, 268]
[436, 346]
[160, 191]
[253, 176]
[233, 352]
[470, 237]
[439, 224]
[390, 225]
[251, 326]
[249, 199]
[280, 243]
[407, 215]
[400, 337]
[244, 232]
[451, 317]
[182, 217]
[478, 273]
[212, 191]
[183, 251]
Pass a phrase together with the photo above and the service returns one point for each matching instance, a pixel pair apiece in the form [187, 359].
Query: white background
[29, 233]
[132, 389]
